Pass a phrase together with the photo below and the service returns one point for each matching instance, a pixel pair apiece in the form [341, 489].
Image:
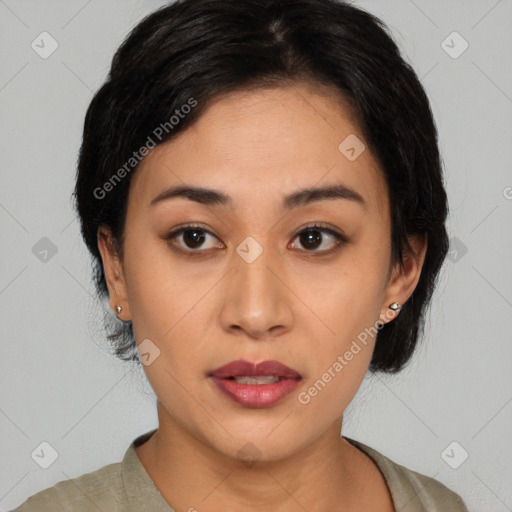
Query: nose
[257, 297]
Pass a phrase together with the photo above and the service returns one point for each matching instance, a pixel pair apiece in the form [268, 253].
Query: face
[262, 269]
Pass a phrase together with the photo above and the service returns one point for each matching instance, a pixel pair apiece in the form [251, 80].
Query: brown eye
[313, 237]
[193, 238]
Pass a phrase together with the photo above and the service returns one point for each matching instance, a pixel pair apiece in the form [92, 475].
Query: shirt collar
[140, 491]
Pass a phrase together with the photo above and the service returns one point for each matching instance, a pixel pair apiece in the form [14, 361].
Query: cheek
[347, 299]
[346, 309]
[337, 371]
[160, 294]
[174, 307]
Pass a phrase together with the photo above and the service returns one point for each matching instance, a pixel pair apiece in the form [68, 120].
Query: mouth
[255, 385]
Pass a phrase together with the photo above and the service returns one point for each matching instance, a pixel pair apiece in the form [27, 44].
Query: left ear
[404, 276]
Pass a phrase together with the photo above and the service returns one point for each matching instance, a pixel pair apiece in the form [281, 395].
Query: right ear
[114, 275]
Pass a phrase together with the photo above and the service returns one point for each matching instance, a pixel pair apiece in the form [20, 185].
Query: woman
[260, 187]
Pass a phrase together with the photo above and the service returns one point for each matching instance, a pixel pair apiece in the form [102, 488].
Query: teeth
[263, 379]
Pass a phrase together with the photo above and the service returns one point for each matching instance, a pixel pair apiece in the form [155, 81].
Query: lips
[255, 385]
[243, 368]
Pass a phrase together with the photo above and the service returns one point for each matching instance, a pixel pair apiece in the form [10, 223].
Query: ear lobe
[405, 275]
[113, 270]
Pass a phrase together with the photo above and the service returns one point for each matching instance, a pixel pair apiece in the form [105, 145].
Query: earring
[395, 306]
[118, 309]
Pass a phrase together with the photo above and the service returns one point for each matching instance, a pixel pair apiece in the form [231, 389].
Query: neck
[192, 475]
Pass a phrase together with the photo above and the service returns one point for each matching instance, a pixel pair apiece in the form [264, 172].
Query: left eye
[312, 238]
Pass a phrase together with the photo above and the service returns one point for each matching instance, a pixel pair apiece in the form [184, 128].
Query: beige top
[126, 487]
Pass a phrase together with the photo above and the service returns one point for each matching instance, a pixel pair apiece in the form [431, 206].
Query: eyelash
[340, 239]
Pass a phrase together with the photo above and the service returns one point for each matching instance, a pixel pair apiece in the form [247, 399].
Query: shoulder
[412, 491]
[98, 490]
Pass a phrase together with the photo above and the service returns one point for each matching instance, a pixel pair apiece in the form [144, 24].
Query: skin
[291, 304]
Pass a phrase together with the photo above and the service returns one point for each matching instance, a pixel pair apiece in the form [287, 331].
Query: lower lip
[256, 396]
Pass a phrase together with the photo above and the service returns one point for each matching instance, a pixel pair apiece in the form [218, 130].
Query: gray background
[60, 385]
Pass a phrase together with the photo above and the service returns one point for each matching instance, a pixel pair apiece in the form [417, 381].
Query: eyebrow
[303, 197]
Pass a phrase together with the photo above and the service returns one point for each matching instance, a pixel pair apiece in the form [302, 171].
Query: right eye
[192, 237]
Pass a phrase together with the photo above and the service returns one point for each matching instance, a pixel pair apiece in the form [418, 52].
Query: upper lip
[242, 368]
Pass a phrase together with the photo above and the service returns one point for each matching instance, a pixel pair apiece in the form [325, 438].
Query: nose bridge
[256, 300]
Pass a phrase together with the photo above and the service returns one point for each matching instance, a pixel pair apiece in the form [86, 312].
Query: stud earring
[118, 309]
[395, 306]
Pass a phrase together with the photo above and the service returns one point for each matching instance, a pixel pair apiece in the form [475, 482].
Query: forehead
[266, 143]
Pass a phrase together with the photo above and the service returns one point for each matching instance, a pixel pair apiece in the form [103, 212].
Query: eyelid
[320, 226]
[175, 233]
[340, 237]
